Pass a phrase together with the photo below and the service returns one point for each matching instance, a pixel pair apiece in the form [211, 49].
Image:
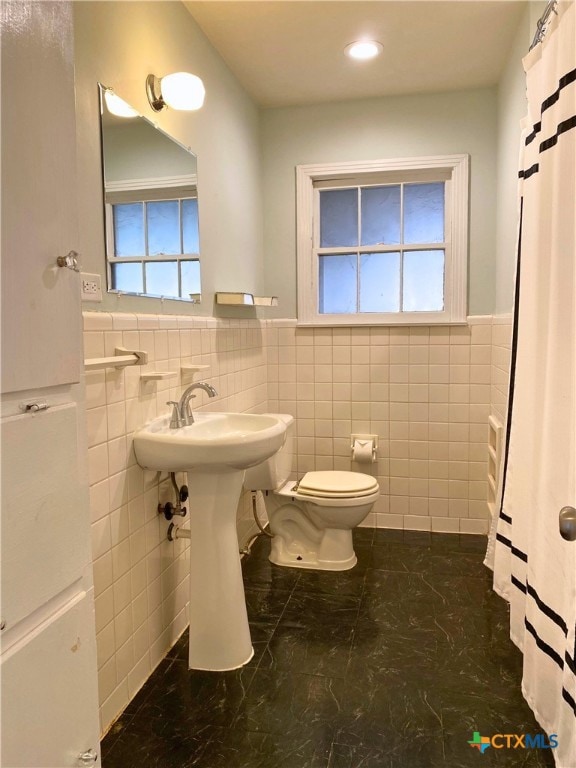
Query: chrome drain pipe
[174, 532]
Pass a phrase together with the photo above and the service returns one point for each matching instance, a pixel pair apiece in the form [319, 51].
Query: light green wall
[137, 150]
[247, 156]
[119, 44]
[404, 126]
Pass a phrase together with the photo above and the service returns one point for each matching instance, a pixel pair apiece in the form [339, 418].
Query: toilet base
[311, 562]
[332, 551]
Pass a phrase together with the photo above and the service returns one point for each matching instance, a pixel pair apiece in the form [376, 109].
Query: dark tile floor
[393, 664]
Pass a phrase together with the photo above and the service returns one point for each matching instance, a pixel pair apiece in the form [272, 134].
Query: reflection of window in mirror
[153, 244]
[151, 201]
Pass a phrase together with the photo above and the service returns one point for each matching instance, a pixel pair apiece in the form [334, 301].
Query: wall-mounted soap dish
[191, 369]
[157, 375]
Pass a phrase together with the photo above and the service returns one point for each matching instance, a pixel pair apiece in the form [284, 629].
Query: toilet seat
[337, 485]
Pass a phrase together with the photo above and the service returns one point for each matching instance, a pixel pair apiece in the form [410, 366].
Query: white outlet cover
[90, 286]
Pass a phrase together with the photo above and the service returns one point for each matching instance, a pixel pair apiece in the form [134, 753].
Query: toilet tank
[275, 471]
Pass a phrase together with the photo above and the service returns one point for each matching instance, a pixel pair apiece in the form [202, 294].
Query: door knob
[87, 758]
[70, 261]
[567, 522]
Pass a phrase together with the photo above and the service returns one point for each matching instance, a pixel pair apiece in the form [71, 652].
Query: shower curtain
[534, 568]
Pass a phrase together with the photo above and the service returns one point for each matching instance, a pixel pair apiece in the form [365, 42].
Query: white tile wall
[425, 391]
[500, 370]
[141, 579]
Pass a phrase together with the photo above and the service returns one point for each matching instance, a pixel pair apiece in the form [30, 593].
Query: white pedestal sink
[214, 451]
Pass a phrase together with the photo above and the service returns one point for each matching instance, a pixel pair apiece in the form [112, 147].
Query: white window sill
[407, 319]
[382, 325]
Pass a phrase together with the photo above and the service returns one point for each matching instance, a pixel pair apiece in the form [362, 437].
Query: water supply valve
[169, 510]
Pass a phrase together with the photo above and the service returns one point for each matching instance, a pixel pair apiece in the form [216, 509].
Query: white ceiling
[288, 53]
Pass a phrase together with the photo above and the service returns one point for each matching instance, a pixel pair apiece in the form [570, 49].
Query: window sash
[399, 247]
[142, 263]
[453, 169]
[110, 229]
[358, 253]
[143, 259]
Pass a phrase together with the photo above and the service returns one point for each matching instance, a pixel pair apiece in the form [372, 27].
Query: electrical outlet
[91, 287]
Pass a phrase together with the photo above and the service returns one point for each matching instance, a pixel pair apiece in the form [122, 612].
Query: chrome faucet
[182, 415]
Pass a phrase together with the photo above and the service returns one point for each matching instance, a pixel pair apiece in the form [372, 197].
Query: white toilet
[311, 519]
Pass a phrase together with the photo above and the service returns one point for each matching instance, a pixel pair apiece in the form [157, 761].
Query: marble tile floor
[393, 664]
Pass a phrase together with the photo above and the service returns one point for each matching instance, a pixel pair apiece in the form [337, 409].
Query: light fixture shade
[363, 49]
[183, 91]
[117, 106]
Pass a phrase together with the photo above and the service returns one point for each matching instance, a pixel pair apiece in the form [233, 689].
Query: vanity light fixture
[117, 106]
[363, 49]
[180, 90]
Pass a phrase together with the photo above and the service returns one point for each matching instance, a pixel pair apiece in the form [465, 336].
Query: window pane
[338, 284]
[380, 215]
[163, 228]
[338, 218]
[190, 273]
[380, 282]
[162, 278]
[424, 213]
[128, 229]
[190, 226]
[423, 282]
[127, 277]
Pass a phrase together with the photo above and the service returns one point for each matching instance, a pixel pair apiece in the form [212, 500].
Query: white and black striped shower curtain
[534, 568]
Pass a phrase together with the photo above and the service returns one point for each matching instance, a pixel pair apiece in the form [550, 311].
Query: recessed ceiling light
[363, 49]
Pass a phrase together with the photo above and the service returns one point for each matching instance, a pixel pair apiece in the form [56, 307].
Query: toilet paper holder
[360, 442]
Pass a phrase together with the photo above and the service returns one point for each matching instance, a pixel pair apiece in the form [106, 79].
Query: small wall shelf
[266, 301]
[157, 375]
[245, 299]
[121, 359]
[190, 370]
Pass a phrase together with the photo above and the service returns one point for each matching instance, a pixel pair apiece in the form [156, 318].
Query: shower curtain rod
[543, 21]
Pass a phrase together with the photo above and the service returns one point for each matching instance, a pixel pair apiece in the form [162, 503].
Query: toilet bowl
[311, 519]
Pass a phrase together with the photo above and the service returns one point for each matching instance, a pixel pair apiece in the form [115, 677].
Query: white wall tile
[425, 391]
[107, 678]
[97, 463]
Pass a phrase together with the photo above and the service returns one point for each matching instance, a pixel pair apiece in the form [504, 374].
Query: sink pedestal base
[219, 633]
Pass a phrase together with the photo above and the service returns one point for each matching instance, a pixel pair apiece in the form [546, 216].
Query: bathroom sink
[215, 442]
[214, 452]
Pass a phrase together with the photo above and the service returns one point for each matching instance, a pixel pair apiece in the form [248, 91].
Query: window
[383, 242]
[153, 243]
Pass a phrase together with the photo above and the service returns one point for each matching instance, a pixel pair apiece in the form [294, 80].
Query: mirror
[151, 208]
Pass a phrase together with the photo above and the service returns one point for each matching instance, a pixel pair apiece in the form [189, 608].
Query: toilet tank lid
[337, 482]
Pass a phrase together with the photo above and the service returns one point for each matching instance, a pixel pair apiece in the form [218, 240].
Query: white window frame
[453, 169]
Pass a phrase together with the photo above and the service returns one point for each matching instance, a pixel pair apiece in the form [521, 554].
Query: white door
[41, 335]
[49, 701]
